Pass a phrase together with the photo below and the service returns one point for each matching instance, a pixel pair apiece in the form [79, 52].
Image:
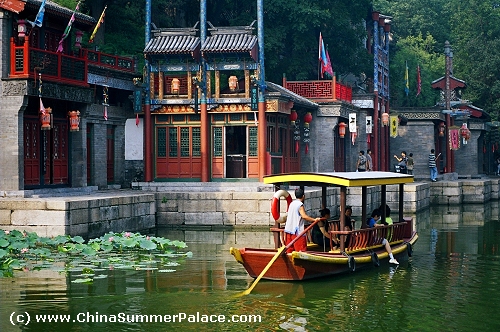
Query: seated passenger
[373, 222]
[320, 234]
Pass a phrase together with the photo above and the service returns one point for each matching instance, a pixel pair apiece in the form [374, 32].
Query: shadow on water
[449, 284]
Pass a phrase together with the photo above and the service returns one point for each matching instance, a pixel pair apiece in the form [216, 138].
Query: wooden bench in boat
[371, 238]
[359, 239]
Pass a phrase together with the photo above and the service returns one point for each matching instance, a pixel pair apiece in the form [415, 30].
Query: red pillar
[376, 133]
[205, 139]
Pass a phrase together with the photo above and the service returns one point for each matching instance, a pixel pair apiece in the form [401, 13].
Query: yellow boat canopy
[346, 179]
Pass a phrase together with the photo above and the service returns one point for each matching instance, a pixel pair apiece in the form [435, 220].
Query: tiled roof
[53, 8]
[231, 43]
[171, 44]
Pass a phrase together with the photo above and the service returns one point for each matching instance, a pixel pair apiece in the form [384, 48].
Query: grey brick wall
[416, 137]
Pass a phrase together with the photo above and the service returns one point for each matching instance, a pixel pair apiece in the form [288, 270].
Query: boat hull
[314, 264]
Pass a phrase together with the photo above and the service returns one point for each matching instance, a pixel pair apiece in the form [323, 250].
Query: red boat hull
[314, 264]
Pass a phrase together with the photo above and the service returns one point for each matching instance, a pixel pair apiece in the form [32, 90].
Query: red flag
[324, 58]
[419, 81]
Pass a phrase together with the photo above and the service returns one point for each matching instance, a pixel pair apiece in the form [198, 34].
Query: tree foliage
[292, 29]
[419, 30]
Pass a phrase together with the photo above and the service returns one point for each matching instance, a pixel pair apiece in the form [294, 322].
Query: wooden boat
[364, 248]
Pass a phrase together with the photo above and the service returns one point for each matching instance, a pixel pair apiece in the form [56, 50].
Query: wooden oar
[278, 253]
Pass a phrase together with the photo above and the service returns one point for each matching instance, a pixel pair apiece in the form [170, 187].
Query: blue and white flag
[39, 17]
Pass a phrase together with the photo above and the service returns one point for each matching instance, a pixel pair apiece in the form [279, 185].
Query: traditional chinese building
[64, 108]
[175, 56]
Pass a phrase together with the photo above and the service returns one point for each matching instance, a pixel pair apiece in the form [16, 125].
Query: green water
[451, 283]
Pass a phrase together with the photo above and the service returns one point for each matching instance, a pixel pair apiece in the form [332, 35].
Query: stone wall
[89, 216]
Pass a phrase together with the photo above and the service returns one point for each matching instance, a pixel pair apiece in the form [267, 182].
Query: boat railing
[371, 238]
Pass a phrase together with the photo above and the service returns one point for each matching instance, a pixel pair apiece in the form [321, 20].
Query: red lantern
[293, 117]
[176, 84]
[465, 132]
[21, 29]
[46, 118]
[442, 128]
[307, 119]
[78, 39]
[385, 119]
[74, 120]
[342, 129]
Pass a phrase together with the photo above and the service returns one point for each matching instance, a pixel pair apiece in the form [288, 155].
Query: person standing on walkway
[369, 161]
[402, 161]
[410, 163]
[432, 165]
[295, 222]
[361, 163]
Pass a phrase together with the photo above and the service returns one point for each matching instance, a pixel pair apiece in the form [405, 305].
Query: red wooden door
[31, 151]
[46, 159]
[59, 153]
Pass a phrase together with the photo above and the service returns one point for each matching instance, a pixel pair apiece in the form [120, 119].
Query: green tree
[416, 51]
[476, 42]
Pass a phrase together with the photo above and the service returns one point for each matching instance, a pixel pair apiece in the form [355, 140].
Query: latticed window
[217, 141]
[252, 141]
[178, 118]
[184, 142]
[235, 117]
[196, 142]
[172, 142]
[161, 142]
[219, 117]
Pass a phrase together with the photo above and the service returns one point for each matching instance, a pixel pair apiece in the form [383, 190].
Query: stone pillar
[11, 139]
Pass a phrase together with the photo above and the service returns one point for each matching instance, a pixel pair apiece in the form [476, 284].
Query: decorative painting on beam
[232, 108]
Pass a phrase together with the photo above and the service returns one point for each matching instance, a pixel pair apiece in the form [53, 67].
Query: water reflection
[448, 285]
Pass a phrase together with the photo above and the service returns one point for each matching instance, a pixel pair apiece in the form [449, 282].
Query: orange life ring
[275, 203]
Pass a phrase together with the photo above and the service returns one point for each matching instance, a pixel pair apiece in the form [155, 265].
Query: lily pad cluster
[28, 251]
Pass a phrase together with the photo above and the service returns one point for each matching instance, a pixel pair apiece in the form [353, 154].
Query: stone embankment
[91, 213]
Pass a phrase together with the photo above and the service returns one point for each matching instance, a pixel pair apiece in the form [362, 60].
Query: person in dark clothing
[320, 234]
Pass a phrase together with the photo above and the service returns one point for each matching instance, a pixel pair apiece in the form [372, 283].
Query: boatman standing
[295, 222]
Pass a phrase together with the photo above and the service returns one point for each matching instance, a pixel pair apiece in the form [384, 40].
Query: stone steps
[202, 186]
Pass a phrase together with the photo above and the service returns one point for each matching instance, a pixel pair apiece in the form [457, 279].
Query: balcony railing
[321, 90]
[27, 62]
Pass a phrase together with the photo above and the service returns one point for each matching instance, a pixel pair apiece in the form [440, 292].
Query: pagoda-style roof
[15, 6]
[53, 9]
[237, 40]
[174, 41]
[455, 83]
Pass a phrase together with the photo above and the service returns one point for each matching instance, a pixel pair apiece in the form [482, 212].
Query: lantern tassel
[296, 146]
[307, 148]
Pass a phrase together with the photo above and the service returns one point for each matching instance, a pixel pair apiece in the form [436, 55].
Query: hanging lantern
[46, 118]
[464, 130]
[342, 126]
[293, 117]
[175, 87]
[21, 29]
[78, 39]
[385, 119]
[233, 83]
[307, 119]
[441, 128]
[74, 120]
